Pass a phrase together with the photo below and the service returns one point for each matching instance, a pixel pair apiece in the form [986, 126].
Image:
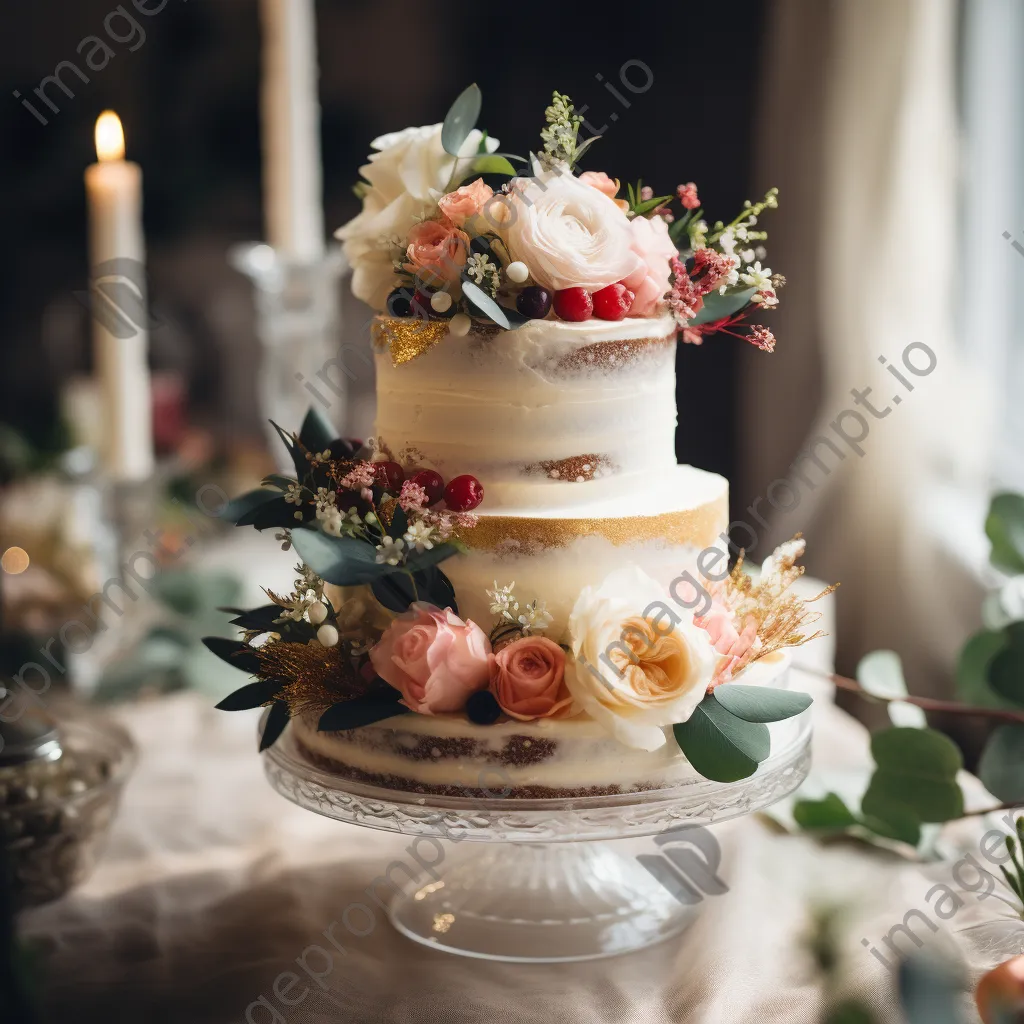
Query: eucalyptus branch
[927, 703]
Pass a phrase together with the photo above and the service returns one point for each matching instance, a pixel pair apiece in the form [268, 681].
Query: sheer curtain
[860, 134]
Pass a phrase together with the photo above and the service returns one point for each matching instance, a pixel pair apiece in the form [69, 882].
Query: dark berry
[420, 306]
[534, 302]
[400, 302]
[463, 493]
[574, 304]
[388, 475]
[432, 482]
[613, 302]
[482, 708]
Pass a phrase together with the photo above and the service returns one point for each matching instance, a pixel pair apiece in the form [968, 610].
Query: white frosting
[497, 407]
[584, 756]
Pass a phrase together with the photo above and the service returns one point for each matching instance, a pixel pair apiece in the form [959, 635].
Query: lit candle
[117, 278]
[292, 186]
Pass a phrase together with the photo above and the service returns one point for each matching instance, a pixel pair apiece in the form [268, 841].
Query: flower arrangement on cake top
[372, 629]
[452, 233]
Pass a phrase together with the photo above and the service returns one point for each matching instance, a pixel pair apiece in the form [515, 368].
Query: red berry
[431, 482]
[388, 475]
[613, 302]
[573, 304]
[463, 493]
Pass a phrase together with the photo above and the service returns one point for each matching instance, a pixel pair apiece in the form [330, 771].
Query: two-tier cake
[513, 589]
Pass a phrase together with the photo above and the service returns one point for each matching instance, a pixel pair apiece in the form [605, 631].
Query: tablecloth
[213, 889]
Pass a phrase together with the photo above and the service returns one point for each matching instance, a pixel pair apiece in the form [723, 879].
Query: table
[212, 901]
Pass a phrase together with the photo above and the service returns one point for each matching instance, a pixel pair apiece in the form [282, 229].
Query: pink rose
[654, 247]
[465, 202]
[527, 679]
[437, 252]
[433, 658]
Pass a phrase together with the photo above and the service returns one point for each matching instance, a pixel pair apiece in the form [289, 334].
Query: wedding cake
[512, 588]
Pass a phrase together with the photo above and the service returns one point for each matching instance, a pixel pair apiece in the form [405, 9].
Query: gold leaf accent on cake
[606, 354]
[313, 677]
[407, 339]
[575, 469]
[700, 527]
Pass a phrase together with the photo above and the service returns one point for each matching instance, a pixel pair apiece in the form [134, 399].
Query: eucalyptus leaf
[761, 703]
[234, 652]
[972, 669]
[394, 591]
[344, 561]
[461, 119]
[483, 303]
[276, 721]
[252, 695]
[881, 675]
[352, 714]
[899, 823]
[1001, 767]
[399, 523]
[1006, 673]
[241, 506]
[719, 745]
[420, 560]
[276, 513]
[294, 451]
[1005, 528]
[716, 306]
[827, 814]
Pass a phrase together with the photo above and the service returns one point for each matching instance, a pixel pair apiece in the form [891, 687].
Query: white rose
[638, 664]
[568, 233]
[405, 178]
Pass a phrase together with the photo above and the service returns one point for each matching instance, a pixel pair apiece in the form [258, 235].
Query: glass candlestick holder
[298, 324]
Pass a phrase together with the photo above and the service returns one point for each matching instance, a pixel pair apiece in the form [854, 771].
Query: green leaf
[276, 513]
[579, 151]
[881, 675]
[424, 559]
[650, 204]
[235, 653]
[279, 480]
[493, 163]
[1005, 528]
[829, 813]
[719, 745]
[344, 561]
[396, 593]
[276, 721]
[483, 303]
[461, 119]
[899, 823]
[316, 432]
[1006, 672]
[716, 306]
[1001, 767]
[916, 772]
[295, 452]
[253, 695]
[238, 507]
[351, 714]
[972, 668]
[399, 522]
[761, 703]
[258, 618]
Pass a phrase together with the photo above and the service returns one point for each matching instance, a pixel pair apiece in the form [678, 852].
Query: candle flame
[109, 137]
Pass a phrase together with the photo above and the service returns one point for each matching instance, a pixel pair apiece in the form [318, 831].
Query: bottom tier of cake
[450, 756]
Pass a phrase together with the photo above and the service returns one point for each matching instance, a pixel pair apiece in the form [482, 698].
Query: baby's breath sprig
[484, 272]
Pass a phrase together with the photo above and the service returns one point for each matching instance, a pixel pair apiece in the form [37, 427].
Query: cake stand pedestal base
[540, 903]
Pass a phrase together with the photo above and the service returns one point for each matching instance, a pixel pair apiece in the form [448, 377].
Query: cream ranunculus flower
[406, 176]
[638, 663]
[570, 234]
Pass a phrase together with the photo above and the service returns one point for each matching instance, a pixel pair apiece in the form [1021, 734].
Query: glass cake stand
[547, 887]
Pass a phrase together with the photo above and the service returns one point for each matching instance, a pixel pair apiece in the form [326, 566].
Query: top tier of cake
[534, 412]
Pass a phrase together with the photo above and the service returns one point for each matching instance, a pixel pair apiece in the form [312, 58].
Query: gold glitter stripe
[699, 527]
[607, 354]
[407, 339]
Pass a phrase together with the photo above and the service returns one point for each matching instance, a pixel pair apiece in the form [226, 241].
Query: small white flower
[324, 501]
[323, 456]
[535, 617]
[419, 535]
[758, 277]
[747, 255]
[503, 601]
[293, 496]
[331, 521]
[390, 551]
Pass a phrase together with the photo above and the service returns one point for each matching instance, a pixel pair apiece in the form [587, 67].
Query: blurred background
[892, 129]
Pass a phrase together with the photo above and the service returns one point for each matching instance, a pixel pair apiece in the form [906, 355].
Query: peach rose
[433, 658]
[609, 186]
[654, 247]
[465, 201]
[437, 252]
[528, 679]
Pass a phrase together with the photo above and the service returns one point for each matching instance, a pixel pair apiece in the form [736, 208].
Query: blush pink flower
[734, 645]
[655, 249]
[433, 658]
[437, 252]
[688, 195]
[609, 186]
[465, 202]
[528, 679]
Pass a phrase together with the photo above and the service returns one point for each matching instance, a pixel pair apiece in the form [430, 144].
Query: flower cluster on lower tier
[452, 231]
